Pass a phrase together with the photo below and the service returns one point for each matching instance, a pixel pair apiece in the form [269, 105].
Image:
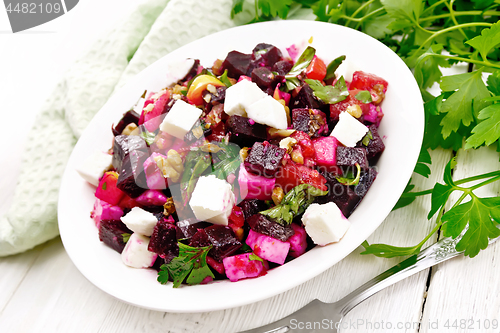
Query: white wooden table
[42, 291]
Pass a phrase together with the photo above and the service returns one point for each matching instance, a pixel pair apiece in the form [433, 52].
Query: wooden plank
[464, 289]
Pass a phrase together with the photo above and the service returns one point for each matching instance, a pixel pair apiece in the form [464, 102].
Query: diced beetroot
[375, 146]
[236, 63]
[264, 159]
[342, 195]
[132, 180]
[293, 174]
[188, 228]
[365, 182]
[241, 267]
[200, 239]
[154, 176]
[111, 233]
[129, 117]
[305, 99]
[105, 211]
[305, 143]
[300, 119]
[251, 207]
[298, 241]
[152, 118]
[253, 186]
[244, 132]
[223, 240]
[325, 150]
[152, 198]
[266, 55]
[268, 248]
[164, 241]
[337, 108]
[219, 267]
[123, 145]
[263, 77]
[107, 189]
[261, 224]
[348, 157]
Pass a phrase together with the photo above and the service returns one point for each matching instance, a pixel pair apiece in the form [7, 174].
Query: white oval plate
[402, 130]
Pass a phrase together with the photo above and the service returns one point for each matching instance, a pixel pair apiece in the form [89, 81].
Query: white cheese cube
[268, 111]
[325, 223]
[349, 130]
[94, 167]
[212, 200]
[136, 254]
[176, 71]
[140, 221]
[240, 96]
[180, 119]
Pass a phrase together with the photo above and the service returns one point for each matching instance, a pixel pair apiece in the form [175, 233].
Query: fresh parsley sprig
[429, 35]
[478, 217]
[191, 263]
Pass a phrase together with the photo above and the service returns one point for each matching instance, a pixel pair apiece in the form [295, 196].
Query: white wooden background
[42, 291]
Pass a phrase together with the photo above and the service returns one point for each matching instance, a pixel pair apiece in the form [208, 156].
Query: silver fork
[328, 316]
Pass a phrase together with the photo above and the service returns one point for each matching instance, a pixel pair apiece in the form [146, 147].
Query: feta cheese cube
[325, 223]
[212, 200]
[136, 254]
[268, 111]
[176, 71]
[240, 96]
[349, 130]
[140, 221]
[180, 119]
[94, 167]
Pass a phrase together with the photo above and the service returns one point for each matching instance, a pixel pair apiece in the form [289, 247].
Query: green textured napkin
[156, 28]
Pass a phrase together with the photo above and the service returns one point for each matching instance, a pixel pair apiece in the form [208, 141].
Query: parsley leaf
[332, 67]
[126, 237]
[465, 101]
[349, 179]
[294, 203]
[408, 10]
[149, 137]
[389, 251]
[301, 65]
[364, 96]
[278, 8]
[494, 82]
[488, 130]
[488, 39]
[421, 167]
[223, 78]
[237, 7]
[190, 263]
[253, 256]
[329, 94]
[440, 192]
[481, 215]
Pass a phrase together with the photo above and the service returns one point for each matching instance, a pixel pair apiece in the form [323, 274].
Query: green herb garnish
[332, 67]
[329, 94]
[364, 96]
[148, 136]
[304, 60]
[294, 203]
[191, 263]
[349, 178]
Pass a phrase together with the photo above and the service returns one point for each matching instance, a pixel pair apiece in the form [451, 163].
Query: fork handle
[434, 254]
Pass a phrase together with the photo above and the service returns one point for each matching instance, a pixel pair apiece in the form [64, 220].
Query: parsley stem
[443, 31]
[463, 13]
[486, 182]
[416, 194]
[361, 19]
[432, 6]
[360, 8]
[452, 15]
[472, 61]
[478, 177]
